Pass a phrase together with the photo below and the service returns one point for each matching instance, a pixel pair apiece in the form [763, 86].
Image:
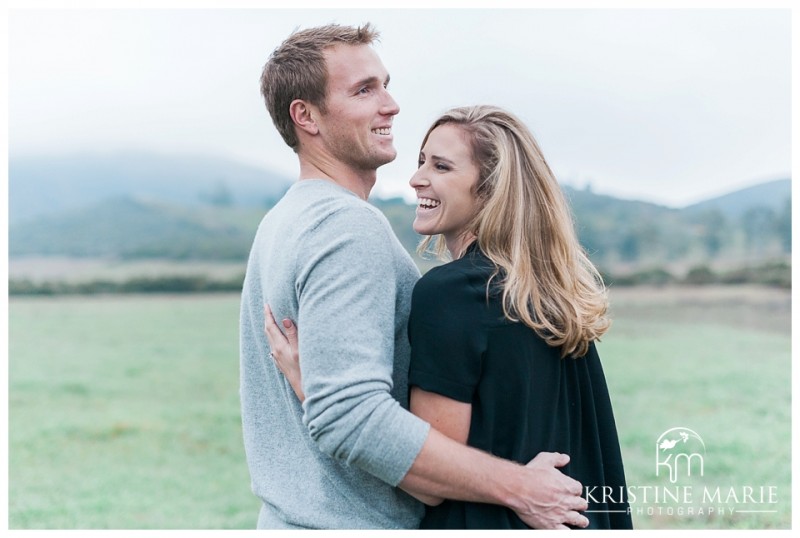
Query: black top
[525, 398]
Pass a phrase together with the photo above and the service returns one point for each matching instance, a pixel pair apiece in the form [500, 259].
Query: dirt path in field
[739, 306]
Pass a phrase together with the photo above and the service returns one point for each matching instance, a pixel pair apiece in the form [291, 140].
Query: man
[325, 257]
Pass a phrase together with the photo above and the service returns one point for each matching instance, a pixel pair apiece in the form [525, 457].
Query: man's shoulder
[318, 206]
[326, 197]
[353, 219]
[319, 194]
[325, 219]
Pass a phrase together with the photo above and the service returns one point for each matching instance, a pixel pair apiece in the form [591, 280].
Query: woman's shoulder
[457, 273]
[459, 282]
[438, 281]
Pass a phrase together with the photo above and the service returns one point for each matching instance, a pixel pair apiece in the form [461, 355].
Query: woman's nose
[418, 179]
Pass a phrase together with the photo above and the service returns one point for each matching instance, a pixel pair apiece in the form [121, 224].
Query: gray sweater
[330, 261]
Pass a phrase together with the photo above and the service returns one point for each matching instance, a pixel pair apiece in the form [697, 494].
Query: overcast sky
[671, 106]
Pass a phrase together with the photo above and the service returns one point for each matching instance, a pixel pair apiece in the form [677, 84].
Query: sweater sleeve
[347, 294]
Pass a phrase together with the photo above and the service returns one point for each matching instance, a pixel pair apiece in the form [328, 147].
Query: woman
[502, 338]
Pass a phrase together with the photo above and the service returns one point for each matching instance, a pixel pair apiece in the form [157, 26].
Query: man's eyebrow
[370, 80]
[365, 82]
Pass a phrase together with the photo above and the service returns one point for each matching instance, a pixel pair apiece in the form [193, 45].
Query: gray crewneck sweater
[330, 261]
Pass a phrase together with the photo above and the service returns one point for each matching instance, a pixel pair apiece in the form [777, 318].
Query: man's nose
[390, 106]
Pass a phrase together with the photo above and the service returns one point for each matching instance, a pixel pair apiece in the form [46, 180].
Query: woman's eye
[442, 167]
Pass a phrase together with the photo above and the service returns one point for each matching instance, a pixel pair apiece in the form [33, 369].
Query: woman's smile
[427, 204]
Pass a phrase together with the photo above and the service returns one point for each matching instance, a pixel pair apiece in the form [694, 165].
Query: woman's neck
[458, 244]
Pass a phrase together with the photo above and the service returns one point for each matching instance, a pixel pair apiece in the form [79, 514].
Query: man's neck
[360, 182]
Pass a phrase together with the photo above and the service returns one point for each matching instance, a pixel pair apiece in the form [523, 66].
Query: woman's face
[445, 183]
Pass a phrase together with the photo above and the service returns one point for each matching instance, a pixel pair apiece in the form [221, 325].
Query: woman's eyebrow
[440, 158]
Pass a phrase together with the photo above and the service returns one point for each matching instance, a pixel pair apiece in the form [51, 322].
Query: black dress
[525, 398]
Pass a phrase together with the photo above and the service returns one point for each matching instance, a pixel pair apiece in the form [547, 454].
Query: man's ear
[303, 115]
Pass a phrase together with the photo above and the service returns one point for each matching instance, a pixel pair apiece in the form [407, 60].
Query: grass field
[124, 413]
[716, 361]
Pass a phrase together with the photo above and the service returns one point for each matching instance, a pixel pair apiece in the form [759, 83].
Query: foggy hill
[771, 194]
[126, 227]
[141, 206]
[48, 185]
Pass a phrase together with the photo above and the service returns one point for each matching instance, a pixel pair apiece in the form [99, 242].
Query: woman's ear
[303, 115]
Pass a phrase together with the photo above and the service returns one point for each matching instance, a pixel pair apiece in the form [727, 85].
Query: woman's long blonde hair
[525, 228]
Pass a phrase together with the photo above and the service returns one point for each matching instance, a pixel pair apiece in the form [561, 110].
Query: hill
[625, 230]
[50, 185]
[128, 228]
[771, 194]
[615, 232]
[144, 206]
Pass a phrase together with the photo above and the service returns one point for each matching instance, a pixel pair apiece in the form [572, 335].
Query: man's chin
[388, 157]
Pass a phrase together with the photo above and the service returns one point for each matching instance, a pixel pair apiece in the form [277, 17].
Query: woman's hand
[285, 351]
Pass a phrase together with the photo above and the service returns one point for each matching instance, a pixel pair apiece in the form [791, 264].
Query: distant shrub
[777, 274]
[165, 284]
[26, 287]
[700, 275]
[168, 284]
[95, 287]
[655, 276]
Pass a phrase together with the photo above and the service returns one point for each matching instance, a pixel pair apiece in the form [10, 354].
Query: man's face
[357, 128]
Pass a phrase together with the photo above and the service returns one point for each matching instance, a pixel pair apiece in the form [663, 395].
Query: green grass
[690, 363]
[124, 411]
